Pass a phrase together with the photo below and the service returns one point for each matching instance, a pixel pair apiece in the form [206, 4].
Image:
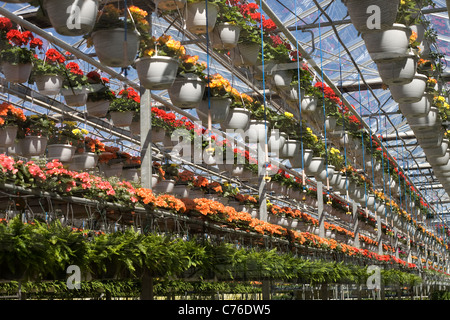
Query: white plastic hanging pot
[256, 131]
[411, 92]
[112, 170]
[276, 141]
[432, 119]
[16, 73]
[315, 166]
[302, 162]
[361, 14]
[135, 127]
[439, 160]
[330, 123]
[245, 54]
[225, 36]
[416, 109]
[309, 104]
[49, 85]
[327, 172]
[186, 92]
[8, 135]
[131, 174]
[83, 161]
[291, 149]
[157, 134]
[181, 191]
[71, 17]
[31, 146]
[437, 151]
[282, 78]
[122, 119]
[169, 5]
[397, 71]
[335, 179]
[201, 17]
[62, 152]
[111, 48]
[217, 107]
[97, 108]
[157, 72]
[388, 44]
[237, 119]
[75, 98]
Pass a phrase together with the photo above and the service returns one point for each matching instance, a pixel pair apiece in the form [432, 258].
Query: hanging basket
[83, 161]
[309, 104]
[62, 152]
[411, 92]
[71, 17]
[157, 73]
[361, 15]
[291, 149]
[302, 162]
[181, 191]
[131, 174]
[245, 54]
[111, 48]
[16, 73]
[111, 170]
[335, 179]
[416, 109]
[217, 107]
[201, 17]
[31, 146]
[121, 119]
[432, 119]
[169, 5]
[8, 135]
[398, 71]
[187, 91]
[327, 172]
[164, 186]
[257, 131]
[135, 127]
[388, 44]
[97, 108]
[315, 166]
[158, 134]
[49, 85]
[282, 79]
[276, 141]
[75, 97]
[237, 119]
[225, 36]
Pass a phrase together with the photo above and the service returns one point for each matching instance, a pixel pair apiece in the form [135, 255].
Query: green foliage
[17, 55]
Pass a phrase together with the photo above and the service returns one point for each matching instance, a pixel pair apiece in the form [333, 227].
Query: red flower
[53, 55]
[15, 37]
[37, 43]
[5, 24]
[269, 25]
[74, 68]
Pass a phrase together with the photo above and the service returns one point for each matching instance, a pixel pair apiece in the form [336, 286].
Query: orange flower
[146, 195]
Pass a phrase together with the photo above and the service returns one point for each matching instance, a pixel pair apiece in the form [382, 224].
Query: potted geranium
[10, 120]
[229, 23]
[109, 35]
[76, 86]
[201, 16]
[49, 73]
[64, 140]
[71, 17]
[87, 154]
[17, 55]
[100, 97]
[33, 135]
[216, 100]
[123, 108]
[188, 88]
[158, 62]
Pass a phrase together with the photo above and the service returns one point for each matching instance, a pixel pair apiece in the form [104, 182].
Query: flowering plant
[36, 125]
[68, 133]
[100, 89]
[51, 64]
[191, 65]
[129, 101]
[75, 78]
[164, 45]
[20, 48]
[10, 115]
[5, 26]
[91, 145]
[217, 86]
[335, 158]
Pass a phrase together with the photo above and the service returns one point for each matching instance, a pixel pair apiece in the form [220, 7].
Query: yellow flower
[288, 115]
[76, 131]
[84, 131]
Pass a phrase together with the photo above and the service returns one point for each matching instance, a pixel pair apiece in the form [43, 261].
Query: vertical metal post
[379, 234]
[356, 242]
[146, 132]
[320, 214]
[262, 181]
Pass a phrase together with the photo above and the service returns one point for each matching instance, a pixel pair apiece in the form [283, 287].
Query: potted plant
[292, 145]
[17, 55]
[115, 45]
[201, 16]
[11, 118]
[76, 86]
[226, 32]
[131, 168]
[216, 100]
[48, 73]
[184, 180]
[158, 62]
[169, 5]
[86, 154]
[239, 113]
[64, 140]
[188, 87]
[100, 97]
[33, 135]
[167, 182]
[71, 17]
[123, 108]
[259, 125]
